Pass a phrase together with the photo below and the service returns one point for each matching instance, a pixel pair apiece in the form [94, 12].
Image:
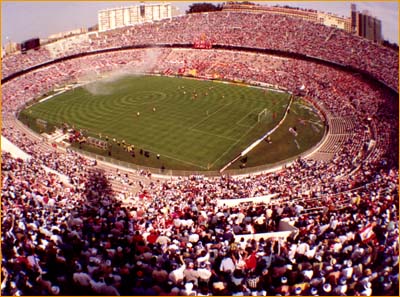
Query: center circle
[142, 98]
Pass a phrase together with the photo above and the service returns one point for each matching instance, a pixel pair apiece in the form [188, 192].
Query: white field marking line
[115, 122]
[52, 113]
[297, 144]
[319, 124]
[161, 153]
[269, 132]
[245, 116]
[241, 138]
[229, 148]
[51, 96]
[304, 106]
[210, 115]
[152, 151]
[170, 157]
[211, 134]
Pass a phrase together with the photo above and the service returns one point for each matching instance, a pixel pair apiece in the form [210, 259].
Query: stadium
[322, 220]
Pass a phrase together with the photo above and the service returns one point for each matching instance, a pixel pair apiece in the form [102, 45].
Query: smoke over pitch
[98, 78]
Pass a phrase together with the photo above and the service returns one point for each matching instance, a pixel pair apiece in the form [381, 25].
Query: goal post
[262, 115]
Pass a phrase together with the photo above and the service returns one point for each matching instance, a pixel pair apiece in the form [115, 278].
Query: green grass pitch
[191, 124]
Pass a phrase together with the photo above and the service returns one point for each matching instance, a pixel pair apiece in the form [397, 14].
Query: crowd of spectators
[169, 236]
[243, 29]
[81, 240]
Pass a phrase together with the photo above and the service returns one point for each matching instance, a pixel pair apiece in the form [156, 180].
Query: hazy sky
[24, 20]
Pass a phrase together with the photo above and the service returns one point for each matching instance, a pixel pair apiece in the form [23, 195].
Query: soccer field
[191, 124]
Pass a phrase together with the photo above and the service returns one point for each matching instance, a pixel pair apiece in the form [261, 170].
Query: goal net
[262, 115]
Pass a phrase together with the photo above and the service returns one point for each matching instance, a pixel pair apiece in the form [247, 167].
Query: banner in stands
[235, 202]
[286, 228]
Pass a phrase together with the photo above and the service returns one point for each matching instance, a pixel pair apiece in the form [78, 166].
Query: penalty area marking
[209, 115]
[153, 151]
[170, 157]
[230, 147]
[244, 117]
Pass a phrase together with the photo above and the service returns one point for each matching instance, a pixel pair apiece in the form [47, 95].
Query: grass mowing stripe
[211, 134]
